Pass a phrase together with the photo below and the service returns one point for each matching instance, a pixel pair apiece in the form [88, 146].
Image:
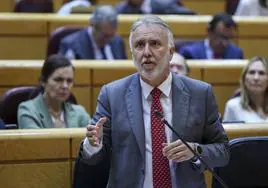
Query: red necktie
[217, 55]
[161, 171]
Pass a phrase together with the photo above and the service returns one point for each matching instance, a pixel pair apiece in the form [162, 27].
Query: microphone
[160, 116]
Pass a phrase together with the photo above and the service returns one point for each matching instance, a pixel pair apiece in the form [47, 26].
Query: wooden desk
[91, 75]
[25, 36]
[44, 157]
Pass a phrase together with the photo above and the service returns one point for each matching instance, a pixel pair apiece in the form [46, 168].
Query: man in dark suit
[129, 7]
[98, 41]
[217, 45]
[145, 153]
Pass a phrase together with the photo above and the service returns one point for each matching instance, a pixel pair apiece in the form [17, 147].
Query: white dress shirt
[209, 51]
[166, 103]
[250, 8]
[66, 9]
[235, 112]
[97, 52]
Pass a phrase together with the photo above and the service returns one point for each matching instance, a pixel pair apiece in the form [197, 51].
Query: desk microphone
[161, 117]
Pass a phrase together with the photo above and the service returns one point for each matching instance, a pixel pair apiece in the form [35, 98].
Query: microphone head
[158, 114]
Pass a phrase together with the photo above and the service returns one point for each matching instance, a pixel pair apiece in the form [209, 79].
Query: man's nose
[147, 50]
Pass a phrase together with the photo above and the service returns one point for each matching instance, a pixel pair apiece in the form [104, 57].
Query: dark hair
[52, 63]
[263, 3]
[221, 17]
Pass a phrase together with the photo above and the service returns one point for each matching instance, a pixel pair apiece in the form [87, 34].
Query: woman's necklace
[57, 117]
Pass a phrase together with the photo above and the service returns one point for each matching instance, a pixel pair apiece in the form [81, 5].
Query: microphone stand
[160, 117]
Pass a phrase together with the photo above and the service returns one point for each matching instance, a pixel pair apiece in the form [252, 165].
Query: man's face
[151, 52]
[103, 33]
[178, 65]
[220, 37]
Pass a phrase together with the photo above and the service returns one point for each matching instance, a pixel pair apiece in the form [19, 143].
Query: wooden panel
[41, 175]
[57, 4]
[27, 149]
[83, 96]
[24, 76]
[110, 75]
[252, 27]
[7, 5]
[76, 145]
[223, 94]
[23, 24]
[19, 47]
[3, 90]
[205, 6]
[230, 75]
[245, 130]
[127, 48]
[105, 2]
[82, 76]
[73, 20]
[195, 73]
[254, 47]
[96, 91]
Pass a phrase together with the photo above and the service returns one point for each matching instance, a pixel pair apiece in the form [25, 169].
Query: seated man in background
[129, 7]
[98, 41]
[169, 7]
[217, 45]
[179, 65]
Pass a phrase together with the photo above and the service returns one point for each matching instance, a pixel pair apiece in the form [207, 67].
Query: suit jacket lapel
[135, 112]
[180, 105]
[69, 115]
[43, 112]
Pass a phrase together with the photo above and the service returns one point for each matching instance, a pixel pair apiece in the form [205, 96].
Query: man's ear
[171, 52]
[43, 84]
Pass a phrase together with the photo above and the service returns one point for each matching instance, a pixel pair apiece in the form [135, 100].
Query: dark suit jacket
[197, 50]
[2, 124]
[80, 43]
[195, 117]
[127, 8]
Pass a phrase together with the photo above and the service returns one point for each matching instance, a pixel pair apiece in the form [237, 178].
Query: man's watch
[198, 149]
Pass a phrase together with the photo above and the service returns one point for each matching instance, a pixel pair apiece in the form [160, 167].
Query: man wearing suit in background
[145, 153]
[98, 41]
[217, 45]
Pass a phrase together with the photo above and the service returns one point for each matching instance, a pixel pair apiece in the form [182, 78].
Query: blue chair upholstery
[248, 166]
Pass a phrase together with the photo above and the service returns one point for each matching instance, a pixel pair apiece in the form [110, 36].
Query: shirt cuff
[89, 150]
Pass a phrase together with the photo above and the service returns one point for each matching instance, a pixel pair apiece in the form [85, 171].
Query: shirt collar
[165, 87]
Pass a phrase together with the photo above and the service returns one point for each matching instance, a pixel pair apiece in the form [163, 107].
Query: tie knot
[156, 93]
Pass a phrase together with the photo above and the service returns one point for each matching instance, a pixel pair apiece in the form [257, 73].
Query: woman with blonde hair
[252, 105]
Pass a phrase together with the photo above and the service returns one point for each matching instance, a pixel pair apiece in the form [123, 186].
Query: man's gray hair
[104, 13]
[152, 20]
